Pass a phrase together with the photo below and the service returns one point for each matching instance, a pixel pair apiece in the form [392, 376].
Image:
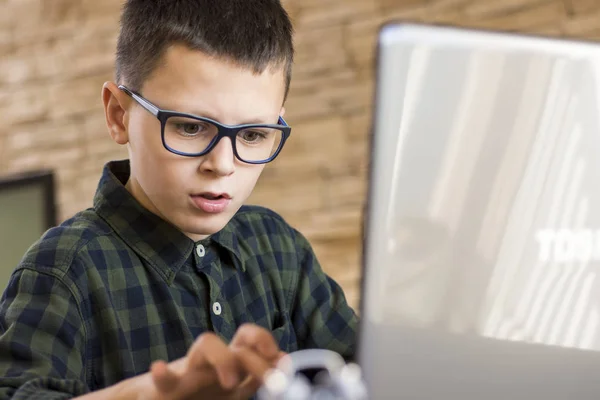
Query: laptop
[482, 227]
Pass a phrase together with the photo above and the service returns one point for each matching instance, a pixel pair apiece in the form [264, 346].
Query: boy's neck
[138, 194]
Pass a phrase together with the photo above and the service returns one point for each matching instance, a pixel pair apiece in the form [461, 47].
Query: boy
[168, 265]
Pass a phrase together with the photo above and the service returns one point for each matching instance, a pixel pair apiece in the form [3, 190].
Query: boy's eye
[252, 136]
[191, 128]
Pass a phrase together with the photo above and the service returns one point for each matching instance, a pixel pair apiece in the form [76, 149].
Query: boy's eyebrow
[210, 116]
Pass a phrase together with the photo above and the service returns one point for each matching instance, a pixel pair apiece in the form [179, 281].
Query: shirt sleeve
[42, 339]
[321, 315]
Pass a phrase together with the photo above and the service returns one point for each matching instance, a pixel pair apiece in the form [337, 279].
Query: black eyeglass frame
[229, 131]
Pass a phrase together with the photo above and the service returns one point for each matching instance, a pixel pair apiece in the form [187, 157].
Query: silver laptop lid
[482, 237]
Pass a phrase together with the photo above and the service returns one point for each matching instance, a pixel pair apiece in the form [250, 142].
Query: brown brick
[46, 19]
[395, 5]
[15, 70]
[312, 147]
[75, 57]
[104, 148]
[97, 10]
[424, 11]
[27, 104]
[357, 128]
[361, 40]
[76, 97]
[316, 55]
[524, 19]
[583, 26]
[576, 7]
[69, 200]
[22, 14]
[57, 53]
[495, 8]
[48, 157]
[309, 83]
[94, 125]
[315, 135]
[43, 135]
[306, 106]
[345, 99]
[58, 11]
[351, 98]
[70, 206]
[343, 191]
[313, 13]
[286, 198]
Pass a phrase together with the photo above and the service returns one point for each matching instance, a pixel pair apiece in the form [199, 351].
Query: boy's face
[179, 188]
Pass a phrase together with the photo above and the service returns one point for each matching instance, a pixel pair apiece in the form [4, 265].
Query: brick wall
[55, 55]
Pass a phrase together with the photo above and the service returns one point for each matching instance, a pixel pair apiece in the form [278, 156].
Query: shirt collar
[228, 239]
[157, 241]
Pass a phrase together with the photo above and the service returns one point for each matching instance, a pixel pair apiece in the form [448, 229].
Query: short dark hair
[251, 33]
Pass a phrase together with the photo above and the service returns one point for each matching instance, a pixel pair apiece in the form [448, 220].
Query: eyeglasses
[193, 136]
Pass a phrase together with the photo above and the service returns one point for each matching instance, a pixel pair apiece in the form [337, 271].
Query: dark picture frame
[40, 178]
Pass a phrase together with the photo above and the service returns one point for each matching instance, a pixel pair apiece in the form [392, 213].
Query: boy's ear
[115, 103]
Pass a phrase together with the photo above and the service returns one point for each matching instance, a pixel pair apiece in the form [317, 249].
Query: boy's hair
[255, 34]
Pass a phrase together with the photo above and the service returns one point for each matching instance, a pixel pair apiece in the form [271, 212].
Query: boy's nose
[220, 160]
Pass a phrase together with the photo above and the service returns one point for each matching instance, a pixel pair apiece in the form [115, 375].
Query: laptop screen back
[482, 237]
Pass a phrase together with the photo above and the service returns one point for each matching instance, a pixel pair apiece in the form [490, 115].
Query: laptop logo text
[568, 245]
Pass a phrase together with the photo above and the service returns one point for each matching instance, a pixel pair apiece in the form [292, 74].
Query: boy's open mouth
[211, 202]
[213, 196]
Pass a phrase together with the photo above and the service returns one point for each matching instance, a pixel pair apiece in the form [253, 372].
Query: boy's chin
[204, 227]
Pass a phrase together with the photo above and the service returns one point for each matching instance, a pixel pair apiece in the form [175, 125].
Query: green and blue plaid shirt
[97, 299]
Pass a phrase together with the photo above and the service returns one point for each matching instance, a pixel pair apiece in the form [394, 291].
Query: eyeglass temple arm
[154, 110]
[143, 102]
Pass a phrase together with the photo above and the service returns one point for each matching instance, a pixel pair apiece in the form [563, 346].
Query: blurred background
[55, 55]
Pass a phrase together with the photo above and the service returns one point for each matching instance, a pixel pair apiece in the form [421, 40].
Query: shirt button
[217, 308]
[200, 250]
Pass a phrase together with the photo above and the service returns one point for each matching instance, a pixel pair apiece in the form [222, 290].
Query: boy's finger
[281, 354]
[165, 380]
[253, 363]
[258, 338]
[248, 388]
[209, 351]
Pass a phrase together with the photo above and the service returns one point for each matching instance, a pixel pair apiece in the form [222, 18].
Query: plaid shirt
[97, 299]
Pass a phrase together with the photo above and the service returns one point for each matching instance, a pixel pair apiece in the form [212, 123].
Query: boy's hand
[210, 370]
